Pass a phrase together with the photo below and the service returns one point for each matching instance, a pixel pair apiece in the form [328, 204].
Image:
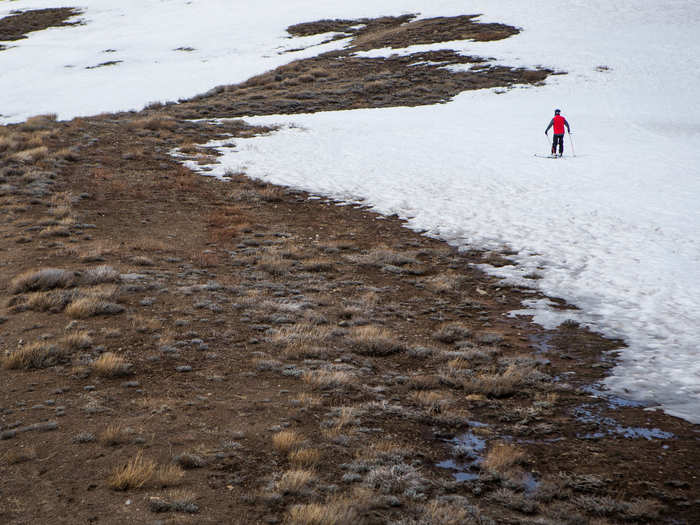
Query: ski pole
[573, 151]
[547, 139]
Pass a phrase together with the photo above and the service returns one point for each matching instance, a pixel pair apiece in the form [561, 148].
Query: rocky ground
[178, 349]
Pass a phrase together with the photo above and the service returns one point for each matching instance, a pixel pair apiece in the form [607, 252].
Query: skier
[558, 122]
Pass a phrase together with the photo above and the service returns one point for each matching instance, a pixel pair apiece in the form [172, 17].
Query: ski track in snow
[615, 231]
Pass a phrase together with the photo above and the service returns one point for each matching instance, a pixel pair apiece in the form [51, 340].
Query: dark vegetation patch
[19, 24]
[340, 80]
[105, 64]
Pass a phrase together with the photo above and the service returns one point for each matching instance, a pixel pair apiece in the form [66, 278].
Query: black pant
[558, 139]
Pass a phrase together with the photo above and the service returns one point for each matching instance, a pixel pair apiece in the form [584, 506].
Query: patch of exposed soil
[17, 25]
[257, 356]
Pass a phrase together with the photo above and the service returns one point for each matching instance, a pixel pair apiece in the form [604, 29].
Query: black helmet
[557, 111]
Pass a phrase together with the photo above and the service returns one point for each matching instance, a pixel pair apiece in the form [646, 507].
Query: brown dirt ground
[217, 276]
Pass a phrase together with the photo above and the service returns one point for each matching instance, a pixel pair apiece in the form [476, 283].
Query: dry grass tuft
[317, 264]
[500, 385]
[44, 279]
[111, 365]
[92, 305]
[383, 256]
[145, 325]
[327, 379]
[336, 512]
[168, 476]
[451, 332]
[77, 340]
[502, 457]
[374, 340]
[308, 400]
[287, 440]
[113, 435]
[133, 475]
[33, 356]
[444, 283]
[434, 402]
[39, 122]
[294, 481]
[275, 264]
[153, 123]
[31, 155]
[305, 457]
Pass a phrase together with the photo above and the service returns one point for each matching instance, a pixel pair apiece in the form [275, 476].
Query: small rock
[183, 368]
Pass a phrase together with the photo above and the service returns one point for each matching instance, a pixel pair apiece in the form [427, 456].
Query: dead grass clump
[327, 379]
[52, 301]
[39, 122]
[336, 512]
[434, 402]
[382, 257]
[294, 481]
[190, 460]
[271, 194]
[305, 457]
[31, 155]
[307, 400]
[174, 501]
[317, 264]
[133, 475]
[444, 283]
[113, 435]
[500, 385]
[55, 231]
[99, 275]
[111, 365]
[33, 356]
[44, 279]
[275, 264]
[77, 340]
[451, 332]
[92, 305]
[153, 123]
[502, 457]
[139, 471]
[447, 513]
[376, 341]
[287, 440]
[145, 325]
[142, 260]
[424, 382]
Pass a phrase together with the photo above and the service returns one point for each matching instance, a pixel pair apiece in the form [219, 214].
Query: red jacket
[558, 122]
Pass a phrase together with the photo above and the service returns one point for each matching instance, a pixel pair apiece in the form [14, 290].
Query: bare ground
[178, 349]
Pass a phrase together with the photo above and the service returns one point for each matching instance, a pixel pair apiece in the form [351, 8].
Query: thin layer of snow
[615, 230]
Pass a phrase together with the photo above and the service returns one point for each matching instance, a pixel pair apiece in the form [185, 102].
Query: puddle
[530, 483]
[467, 450]
[610, 427]
[613, 401]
